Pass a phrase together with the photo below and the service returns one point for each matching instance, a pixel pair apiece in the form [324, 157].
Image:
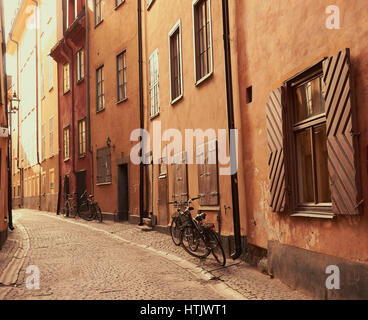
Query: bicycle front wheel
[175, 231]
[216, 247]
[98, 213]
[87, 213]
[193, 243]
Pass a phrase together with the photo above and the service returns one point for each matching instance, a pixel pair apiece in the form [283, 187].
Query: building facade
[303, 94]
[35, 134]
[70, 55]
[4, 140]
[114, 105]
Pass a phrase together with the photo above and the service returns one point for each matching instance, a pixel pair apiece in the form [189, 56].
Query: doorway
[123, 192]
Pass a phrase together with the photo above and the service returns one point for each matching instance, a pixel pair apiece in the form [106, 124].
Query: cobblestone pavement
[91, 260]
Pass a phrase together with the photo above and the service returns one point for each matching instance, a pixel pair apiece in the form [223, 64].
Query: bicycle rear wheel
[175, 231]
[193, 243]
[87, 213]
[216, 247]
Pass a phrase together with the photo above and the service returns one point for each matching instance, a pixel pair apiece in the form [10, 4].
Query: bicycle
[94, 208]
[197, 238]
[73, 209]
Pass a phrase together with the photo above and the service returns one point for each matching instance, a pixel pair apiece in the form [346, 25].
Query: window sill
[98, 24]
[176, 100]
[150, 5]
[66, 92]
[51, 88]
[203, 79]
[99, 111]
[80, 81]
[103, 184]
[313, 214]
[82, 156]
[121, 101]
[66, 160]
[155, 116]
[209, 208]
[119, 5]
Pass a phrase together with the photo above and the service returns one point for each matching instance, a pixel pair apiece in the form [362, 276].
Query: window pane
[321, 156]
[309, 100]
[304, 167]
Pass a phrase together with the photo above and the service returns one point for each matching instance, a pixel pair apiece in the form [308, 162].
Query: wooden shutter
[213, 190]
[275, 133]
[180, 192]
[342, 135]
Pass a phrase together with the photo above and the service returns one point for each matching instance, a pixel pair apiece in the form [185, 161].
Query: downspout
[89, 142]
[141, 110]
[73, 105]
[37, 103]
[231, 124]
[18, 125]
[9, 161]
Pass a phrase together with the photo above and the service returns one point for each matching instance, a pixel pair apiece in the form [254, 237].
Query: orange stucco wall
[202, 107]
[276, 40]
[117, 32]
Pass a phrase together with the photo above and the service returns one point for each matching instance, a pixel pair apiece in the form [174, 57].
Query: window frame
[176, 28]
[292, 126]
[124, 71]
[98, 94]
[82, 138]
[98, 20]
[80, 56]
[66, 143]
[118, 3]
[197, 81]
[66, 82]
[51, 136]
[154, 112]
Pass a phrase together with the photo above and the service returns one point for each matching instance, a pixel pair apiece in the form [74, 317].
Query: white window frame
[199, 81]
[51, 137]
[154, 83]
[51, 72]
[172, 31]
[80, 65]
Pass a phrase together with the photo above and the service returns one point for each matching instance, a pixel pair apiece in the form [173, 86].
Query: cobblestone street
[89, 260]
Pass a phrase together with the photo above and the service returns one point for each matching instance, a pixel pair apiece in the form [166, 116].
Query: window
[43, 142]
[51, 72]
[98, 11]
[66, 143]
[118, 2]
[313, 142]
[121, 76]
[309, 129]
[42, 80]
[66, 73]
[154, 84]
[80, 65]
[51, 136]
[52, 180]
[103, 166]
[202, 39]
[43, 190]
[176, 80]
[208, 174]
[66, 15]
[100, 96]
[82, 137]
[75, 9]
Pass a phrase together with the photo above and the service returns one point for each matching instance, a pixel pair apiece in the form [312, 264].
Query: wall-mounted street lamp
[108, 142]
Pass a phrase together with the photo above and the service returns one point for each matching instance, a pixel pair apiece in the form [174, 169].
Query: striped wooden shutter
[202, 174]
[275, 133]
[180, 192]
[342, 135]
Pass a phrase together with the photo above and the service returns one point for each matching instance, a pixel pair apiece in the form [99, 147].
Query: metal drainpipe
[231, 123]
[18, 125]
[37, 102]
[141, 110]
[89, 142]
[10, 213]
[73, 105]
